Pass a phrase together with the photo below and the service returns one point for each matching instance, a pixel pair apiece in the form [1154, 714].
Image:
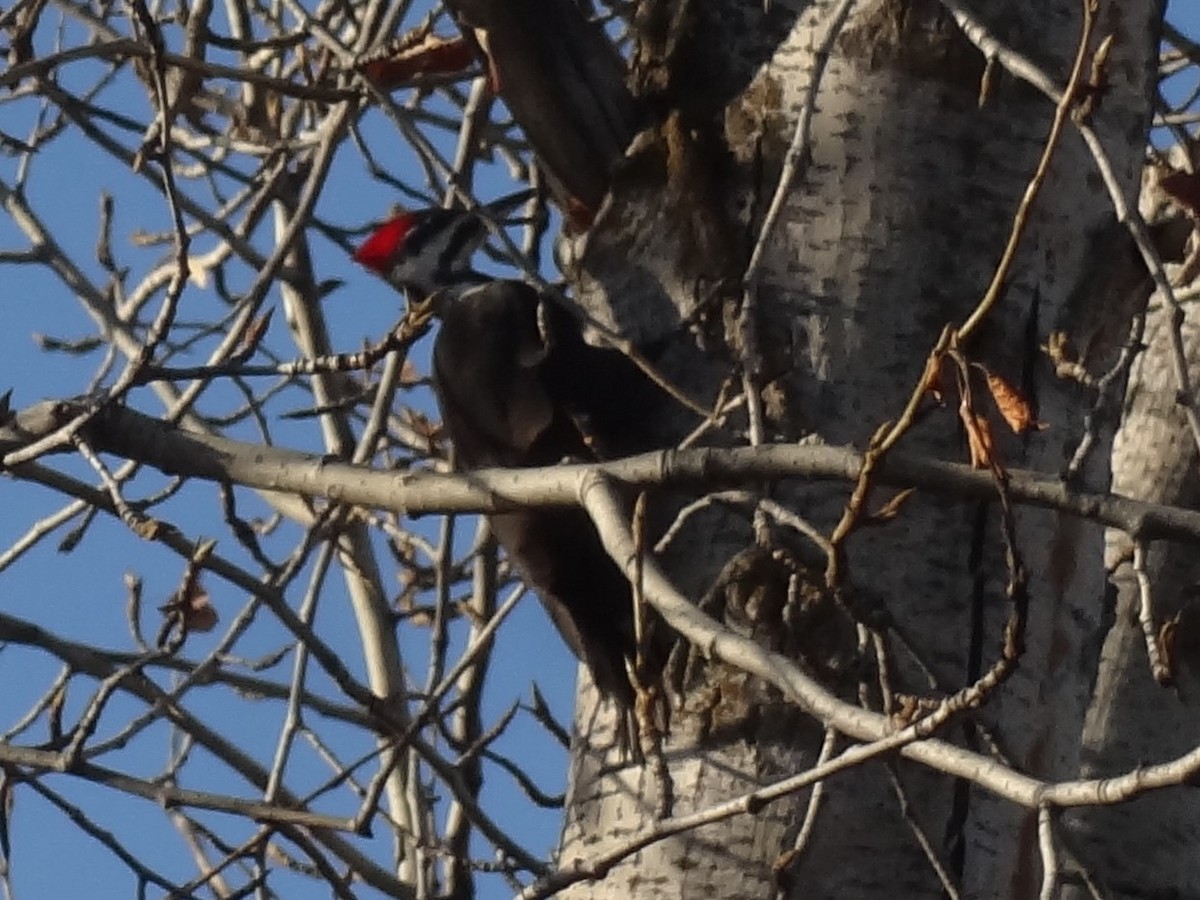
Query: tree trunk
[902, 201]
[1149, 847]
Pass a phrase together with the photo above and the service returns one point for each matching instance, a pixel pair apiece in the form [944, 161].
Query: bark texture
[1147, 848]
[891, 229]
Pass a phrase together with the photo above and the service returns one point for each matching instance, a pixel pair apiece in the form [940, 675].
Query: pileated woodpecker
[519, 386]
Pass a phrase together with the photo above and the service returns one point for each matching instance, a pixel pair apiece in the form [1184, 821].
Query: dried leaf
[195, 608]
[1012, 405]
[979, 438]
[421, 424]
[427, 55]
[931, 378]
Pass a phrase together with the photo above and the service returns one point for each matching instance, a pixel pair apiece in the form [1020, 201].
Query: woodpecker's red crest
[428, 250]
[386, 242]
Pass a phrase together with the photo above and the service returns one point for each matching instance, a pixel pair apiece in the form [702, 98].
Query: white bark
[892, 231]
[1149, 847]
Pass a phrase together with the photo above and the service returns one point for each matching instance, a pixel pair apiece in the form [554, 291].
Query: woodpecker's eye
[424, 227]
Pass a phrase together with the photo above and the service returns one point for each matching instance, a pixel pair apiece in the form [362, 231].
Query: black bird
[519, 386]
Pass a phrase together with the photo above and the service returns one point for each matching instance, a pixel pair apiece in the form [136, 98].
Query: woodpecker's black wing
[489, 367]
[515, 395]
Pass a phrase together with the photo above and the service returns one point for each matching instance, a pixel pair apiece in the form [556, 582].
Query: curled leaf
[979, 438]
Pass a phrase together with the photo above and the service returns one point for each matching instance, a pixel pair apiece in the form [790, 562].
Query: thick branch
[172, 450]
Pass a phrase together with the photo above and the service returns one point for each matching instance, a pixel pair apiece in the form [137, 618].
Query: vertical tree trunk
[1149, 847]
[893, 223]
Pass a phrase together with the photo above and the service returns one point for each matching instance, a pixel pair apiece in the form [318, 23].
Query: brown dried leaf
[931, 378]
[1012, 405]
[979, 438]
[427, 55]
[195, 609]
[422, 424]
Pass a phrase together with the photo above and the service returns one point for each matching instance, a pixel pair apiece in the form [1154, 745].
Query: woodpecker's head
[427, 250]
